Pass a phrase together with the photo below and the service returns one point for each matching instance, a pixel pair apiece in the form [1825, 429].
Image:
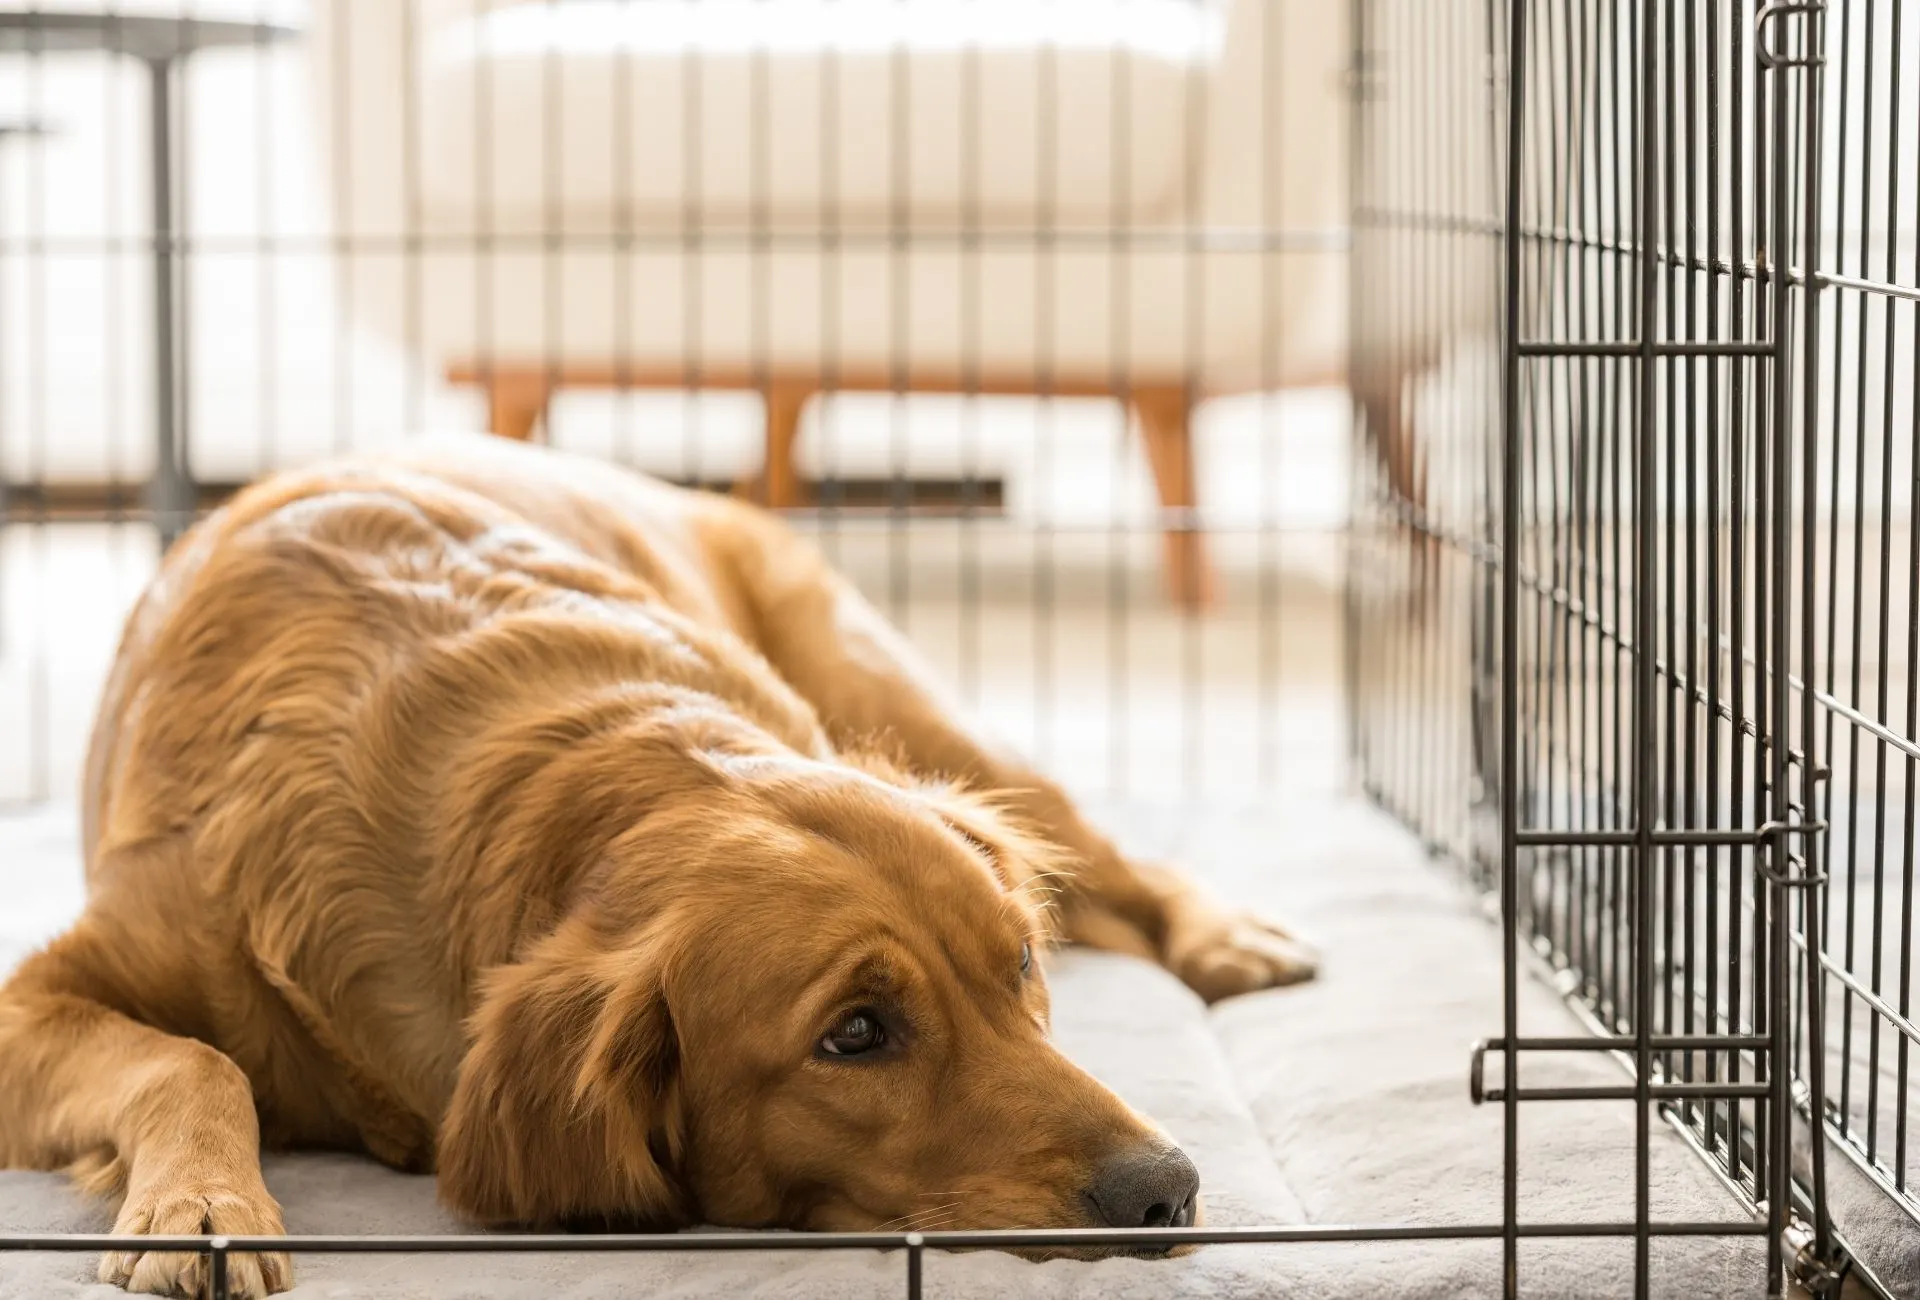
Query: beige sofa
[1135, 198]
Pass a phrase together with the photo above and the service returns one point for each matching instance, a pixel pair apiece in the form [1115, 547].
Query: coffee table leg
[171, 490]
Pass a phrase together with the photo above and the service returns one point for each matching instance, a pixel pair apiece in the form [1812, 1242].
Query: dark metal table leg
[170, 492]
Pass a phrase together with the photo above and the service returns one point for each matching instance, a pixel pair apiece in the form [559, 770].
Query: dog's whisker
[932, 1216]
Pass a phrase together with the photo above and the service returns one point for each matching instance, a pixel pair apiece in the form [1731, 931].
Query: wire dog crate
[1683, 624]
[1631, 322]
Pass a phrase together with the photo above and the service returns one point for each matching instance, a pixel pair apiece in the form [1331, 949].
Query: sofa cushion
[567, 114]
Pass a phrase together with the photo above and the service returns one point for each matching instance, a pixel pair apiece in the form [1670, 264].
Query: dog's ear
[1027, 863]
[565, 1106]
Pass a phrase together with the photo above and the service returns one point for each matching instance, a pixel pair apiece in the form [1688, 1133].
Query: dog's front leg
[169, 1120]
[864, 680]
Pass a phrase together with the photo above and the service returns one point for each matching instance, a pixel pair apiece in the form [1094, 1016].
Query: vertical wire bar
[1884, 594]
[1877, 941]
[1543, 516]
[620, 142]
[1430, 463]
[1120, 248]
[1615, 693]
[112, 306]
[832, 272]
[1509, 650]
[1775, 1140]
[693, 256]
[1608, 511]
[1423, 292]
[348, 247]
[40, 672]
[1736, 565]
[413, 327]
[1196, 268]
[1417, 238]
[1810, 763]
[1582, 915]
[1352, 615]
[1549, 258]
[900, 304]
[552, 181]
[1570, 271]
[1770, 178]
[1434, 468]
[1673, 692]
[6, 265]
[1859, 519]
[482, 234]
[180, 183]
[1392, 722]
[265, 300]
[1710, 924]
[1266, 563]
[1648, 110]
[1484, 593]
[1435, 571]
[217, 1267]
[916, 1248]
[1046, 143]
[165, 496]
[1860, 462]
[1407, 195]
[970, 273]
[1443, 468]
[1689, 762]
[1903, 1043]
[760, 300]
[1415, 195]
[1411, 724]
[113, 279]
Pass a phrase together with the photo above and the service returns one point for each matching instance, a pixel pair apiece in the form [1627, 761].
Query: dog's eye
[1026, 958]
[859, 1033]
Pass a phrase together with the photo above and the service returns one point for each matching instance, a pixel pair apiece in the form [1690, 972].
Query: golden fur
[501, 814]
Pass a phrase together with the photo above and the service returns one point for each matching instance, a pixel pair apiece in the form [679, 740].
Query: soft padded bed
[1341, 1101]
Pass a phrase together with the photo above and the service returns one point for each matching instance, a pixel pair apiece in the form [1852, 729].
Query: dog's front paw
[191, 1208]
[1219, 955]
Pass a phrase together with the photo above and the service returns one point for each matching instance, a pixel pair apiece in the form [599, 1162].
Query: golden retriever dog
[591, 844]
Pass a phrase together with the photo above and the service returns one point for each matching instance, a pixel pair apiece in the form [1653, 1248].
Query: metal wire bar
[1510, 524]
[782, 1242]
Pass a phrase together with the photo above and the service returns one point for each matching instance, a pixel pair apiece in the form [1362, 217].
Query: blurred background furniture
[812, 196]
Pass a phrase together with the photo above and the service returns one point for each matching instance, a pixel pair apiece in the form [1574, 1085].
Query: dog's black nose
[1148, 1187]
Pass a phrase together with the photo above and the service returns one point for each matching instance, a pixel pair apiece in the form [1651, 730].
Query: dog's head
[804, 997]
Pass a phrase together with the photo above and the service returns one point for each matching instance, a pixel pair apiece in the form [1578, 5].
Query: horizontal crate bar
[1621, 1042]
[1832, 280]
[1626, 1092]
[1877, 1003]
[29, 508]
[1564, 237]
[1629, 348]
[1736, 838]
[824, 240]
[562, 1243]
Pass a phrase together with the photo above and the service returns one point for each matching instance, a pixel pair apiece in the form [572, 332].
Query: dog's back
[317, 716]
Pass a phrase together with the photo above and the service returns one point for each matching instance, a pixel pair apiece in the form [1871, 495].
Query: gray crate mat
[1343, 1101]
